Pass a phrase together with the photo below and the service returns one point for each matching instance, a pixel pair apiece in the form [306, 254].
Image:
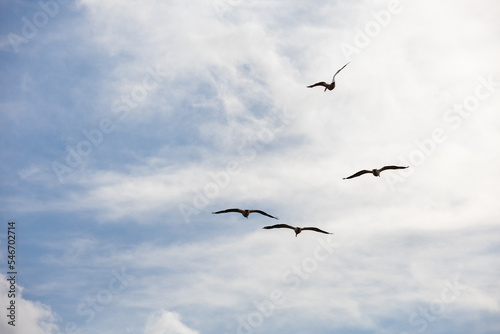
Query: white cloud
[165, 322]
[341, 131]
[31, 317]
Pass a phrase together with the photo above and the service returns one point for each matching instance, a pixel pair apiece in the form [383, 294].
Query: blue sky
[126, 123]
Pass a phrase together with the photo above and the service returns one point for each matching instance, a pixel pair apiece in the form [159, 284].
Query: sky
[125, 124]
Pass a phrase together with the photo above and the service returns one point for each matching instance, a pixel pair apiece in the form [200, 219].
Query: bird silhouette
[296, 229]
[245, 213]
[331, 85]
[375, 172]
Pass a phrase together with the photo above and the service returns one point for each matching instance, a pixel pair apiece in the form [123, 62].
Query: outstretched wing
[228, 210]
[333, 79]
[278, 226]
[392, 167]
[322, 83]
[315, 229]
[263, 213]
[361, 172]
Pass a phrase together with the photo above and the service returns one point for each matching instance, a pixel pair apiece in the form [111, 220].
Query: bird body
[245, 213]
[297, 230]
[329, 86]
[375, 172]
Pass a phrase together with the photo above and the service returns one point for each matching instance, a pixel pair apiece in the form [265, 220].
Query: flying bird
[245, 213]
[375, 172]
[331, 85]
[296, 229]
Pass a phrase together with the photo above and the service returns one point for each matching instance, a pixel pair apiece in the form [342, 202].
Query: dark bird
[245, 213]
[331, 85]
[296, 229]
[375, 172]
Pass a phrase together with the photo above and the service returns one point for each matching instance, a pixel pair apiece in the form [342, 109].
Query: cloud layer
[127, 123]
